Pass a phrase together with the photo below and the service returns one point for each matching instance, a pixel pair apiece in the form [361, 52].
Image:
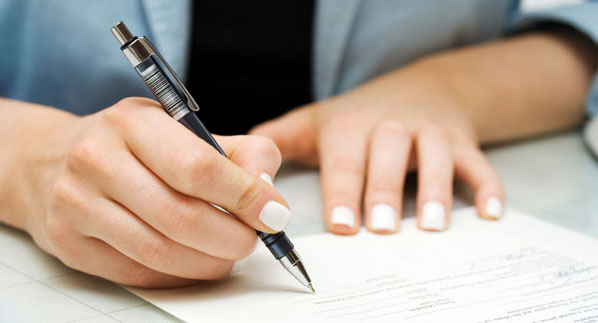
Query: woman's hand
[433, 114]
[127, 196]
[367, 139]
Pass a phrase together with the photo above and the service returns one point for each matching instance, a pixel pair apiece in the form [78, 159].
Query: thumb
[294, 133]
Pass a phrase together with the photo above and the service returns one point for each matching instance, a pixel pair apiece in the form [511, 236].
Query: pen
[169, 90]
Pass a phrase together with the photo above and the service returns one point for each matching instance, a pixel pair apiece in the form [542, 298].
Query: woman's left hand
[367, 139]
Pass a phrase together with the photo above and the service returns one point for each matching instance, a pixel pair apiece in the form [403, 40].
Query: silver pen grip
[293, 264]
[162, 89]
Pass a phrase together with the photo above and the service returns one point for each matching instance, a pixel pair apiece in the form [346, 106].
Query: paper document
[519, 269]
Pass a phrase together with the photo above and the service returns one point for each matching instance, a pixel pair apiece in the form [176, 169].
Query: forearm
[26, 133]
[521, 86]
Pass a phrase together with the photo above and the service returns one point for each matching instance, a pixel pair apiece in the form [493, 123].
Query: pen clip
[137, 49]
[190, 101]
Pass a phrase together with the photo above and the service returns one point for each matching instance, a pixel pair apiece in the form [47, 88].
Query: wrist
[35, 139]
[516, 87]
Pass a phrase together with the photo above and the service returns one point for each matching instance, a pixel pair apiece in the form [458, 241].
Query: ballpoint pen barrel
[277, 243]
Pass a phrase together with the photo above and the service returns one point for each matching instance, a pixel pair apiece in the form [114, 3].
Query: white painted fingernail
[383, 217]
[267, 178]
[343, 215]
[433, 216]
[238, 267]
[494, 207]
[275, 215]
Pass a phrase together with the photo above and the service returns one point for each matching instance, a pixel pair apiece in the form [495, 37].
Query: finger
[474, 169]
[184, 219]
[192, 167]
[387, 165]
[133, 238]
[342, 159]
[256, 154]
[110, 264]
[294, 133]
[435, 179]
[78, 251]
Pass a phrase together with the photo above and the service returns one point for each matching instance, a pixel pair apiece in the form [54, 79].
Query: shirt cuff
[581, 17]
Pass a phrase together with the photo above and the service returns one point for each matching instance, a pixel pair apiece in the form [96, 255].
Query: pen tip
[311, 287]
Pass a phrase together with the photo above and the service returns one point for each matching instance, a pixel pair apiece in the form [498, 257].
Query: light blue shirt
[62, 54]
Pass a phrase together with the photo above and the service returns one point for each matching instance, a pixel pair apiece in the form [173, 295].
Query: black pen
[168, 89]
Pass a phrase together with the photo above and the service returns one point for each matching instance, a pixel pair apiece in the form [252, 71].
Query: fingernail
[267, 178]
[238, 267]
[433, 216]
[493, 207]
[383, 217]
[344, 216]
[275, 215]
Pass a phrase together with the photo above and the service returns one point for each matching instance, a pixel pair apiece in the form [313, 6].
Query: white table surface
[553, 178]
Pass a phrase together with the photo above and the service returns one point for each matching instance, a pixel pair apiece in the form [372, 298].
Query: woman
[121, 191]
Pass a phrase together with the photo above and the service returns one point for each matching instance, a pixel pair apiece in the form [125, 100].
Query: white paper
[519, 269]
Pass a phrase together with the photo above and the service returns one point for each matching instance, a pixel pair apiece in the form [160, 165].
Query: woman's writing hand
[129, 198]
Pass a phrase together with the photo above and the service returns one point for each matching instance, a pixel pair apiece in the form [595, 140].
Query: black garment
[250, 61]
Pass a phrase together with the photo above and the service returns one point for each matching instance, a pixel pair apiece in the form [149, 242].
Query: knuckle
[58, 225]
[248, 193]
[62, 192]
[350, 120]
[118, 114]
[435, 132]
[60, 240]
[180, 218]
[55, 231]
[345, 166]
[393, 127]
[465, 153]
[384, 187]
[153, 251]
[83, 155]
[197, 165]
[128, 101]
[264, 146]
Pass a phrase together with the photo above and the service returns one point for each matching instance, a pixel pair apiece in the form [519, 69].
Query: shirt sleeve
[581, 17]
